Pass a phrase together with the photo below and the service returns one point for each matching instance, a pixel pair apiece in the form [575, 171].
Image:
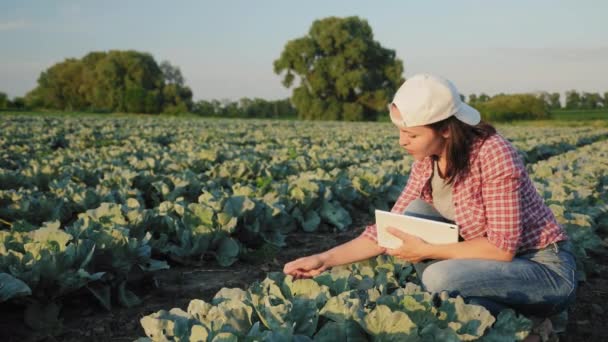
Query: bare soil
[83, 319]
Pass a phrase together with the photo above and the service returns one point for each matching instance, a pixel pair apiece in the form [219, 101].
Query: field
[107, 223]
[581, 114]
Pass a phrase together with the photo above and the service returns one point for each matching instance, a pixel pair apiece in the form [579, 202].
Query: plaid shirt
[495, 199]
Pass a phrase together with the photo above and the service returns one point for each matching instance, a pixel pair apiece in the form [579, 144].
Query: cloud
[14, 25]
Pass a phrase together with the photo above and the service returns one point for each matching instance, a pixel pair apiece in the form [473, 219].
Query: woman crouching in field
[512, 251]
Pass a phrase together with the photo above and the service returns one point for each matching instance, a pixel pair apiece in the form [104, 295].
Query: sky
[225, 49]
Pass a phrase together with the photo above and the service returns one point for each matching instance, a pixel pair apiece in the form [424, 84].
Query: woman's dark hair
[458, 144]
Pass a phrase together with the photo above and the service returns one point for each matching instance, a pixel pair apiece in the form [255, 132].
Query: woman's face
[421, 141]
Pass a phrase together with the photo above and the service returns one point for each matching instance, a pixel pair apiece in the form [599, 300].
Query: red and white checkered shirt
[495, 199]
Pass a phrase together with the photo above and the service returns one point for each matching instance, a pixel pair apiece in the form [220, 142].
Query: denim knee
[436, 278]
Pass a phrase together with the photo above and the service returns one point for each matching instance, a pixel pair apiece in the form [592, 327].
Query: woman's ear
[445, 132]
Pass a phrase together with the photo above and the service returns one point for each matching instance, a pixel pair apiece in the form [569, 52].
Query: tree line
[130, 82]
[337, 71]
[114, 81]
[573, 100]
[245, 108]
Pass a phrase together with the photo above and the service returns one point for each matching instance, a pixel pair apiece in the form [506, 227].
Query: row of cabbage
[207, 142]
[575, 186]
[539, 147]
[252, 152]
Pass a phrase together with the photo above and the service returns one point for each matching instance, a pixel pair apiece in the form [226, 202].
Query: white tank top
[442, 194]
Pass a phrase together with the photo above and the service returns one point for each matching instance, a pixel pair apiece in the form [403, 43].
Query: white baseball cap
[424, 99]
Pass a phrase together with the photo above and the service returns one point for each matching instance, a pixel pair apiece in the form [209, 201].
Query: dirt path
[84, 319]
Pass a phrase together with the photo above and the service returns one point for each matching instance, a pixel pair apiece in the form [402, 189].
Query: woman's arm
[357, 249]
[478, 248]
[360, 248]
[503, 175]
[414, 249]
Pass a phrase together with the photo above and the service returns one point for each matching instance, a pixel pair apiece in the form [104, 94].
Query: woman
[512, 251]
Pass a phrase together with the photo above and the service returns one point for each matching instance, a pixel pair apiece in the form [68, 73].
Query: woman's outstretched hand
[306, 267]
[413, 248]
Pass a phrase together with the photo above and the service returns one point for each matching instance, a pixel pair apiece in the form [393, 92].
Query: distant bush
[513, 107]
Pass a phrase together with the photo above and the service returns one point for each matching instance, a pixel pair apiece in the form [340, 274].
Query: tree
[246, 108]
[3, 100]
[590, 100]
[177, 99]
[513, 107]
[472, 98]
[483, 98]
[172, 74]
[18, 103]
[605, 100]
[551, 100]
[230, 109]
[573, 100]
[344, 74]
[204, 108]
[111, 81]
[60, 87]
[124, 81]
[554, 102]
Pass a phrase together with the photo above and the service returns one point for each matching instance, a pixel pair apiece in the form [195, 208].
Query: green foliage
[365, 301]
[177, 99]
[551, 100]
[119, 81]
[512, 107]
[590, 100]
[344, 73]
[573, 100]
[12, 287]
[245, 108]
[586, 100]
[85, 202]
[171, 73]
[3, 101]
[580, 114]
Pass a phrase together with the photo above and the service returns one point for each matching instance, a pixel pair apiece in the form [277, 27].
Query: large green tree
[122, 81]
[60, 87]
[344, 73]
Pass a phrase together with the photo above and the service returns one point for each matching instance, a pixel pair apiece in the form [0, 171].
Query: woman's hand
[413, 248]
[306, 267]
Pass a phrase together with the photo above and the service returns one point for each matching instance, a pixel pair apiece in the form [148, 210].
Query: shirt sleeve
[502, 179]
[410, 192]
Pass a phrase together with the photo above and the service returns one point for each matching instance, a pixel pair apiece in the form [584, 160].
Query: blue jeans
[539, 282]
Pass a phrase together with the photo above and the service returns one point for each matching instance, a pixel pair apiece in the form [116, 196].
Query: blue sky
[225, 49]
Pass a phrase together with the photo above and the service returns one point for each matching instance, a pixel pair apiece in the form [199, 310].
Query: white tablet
[431, 231]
